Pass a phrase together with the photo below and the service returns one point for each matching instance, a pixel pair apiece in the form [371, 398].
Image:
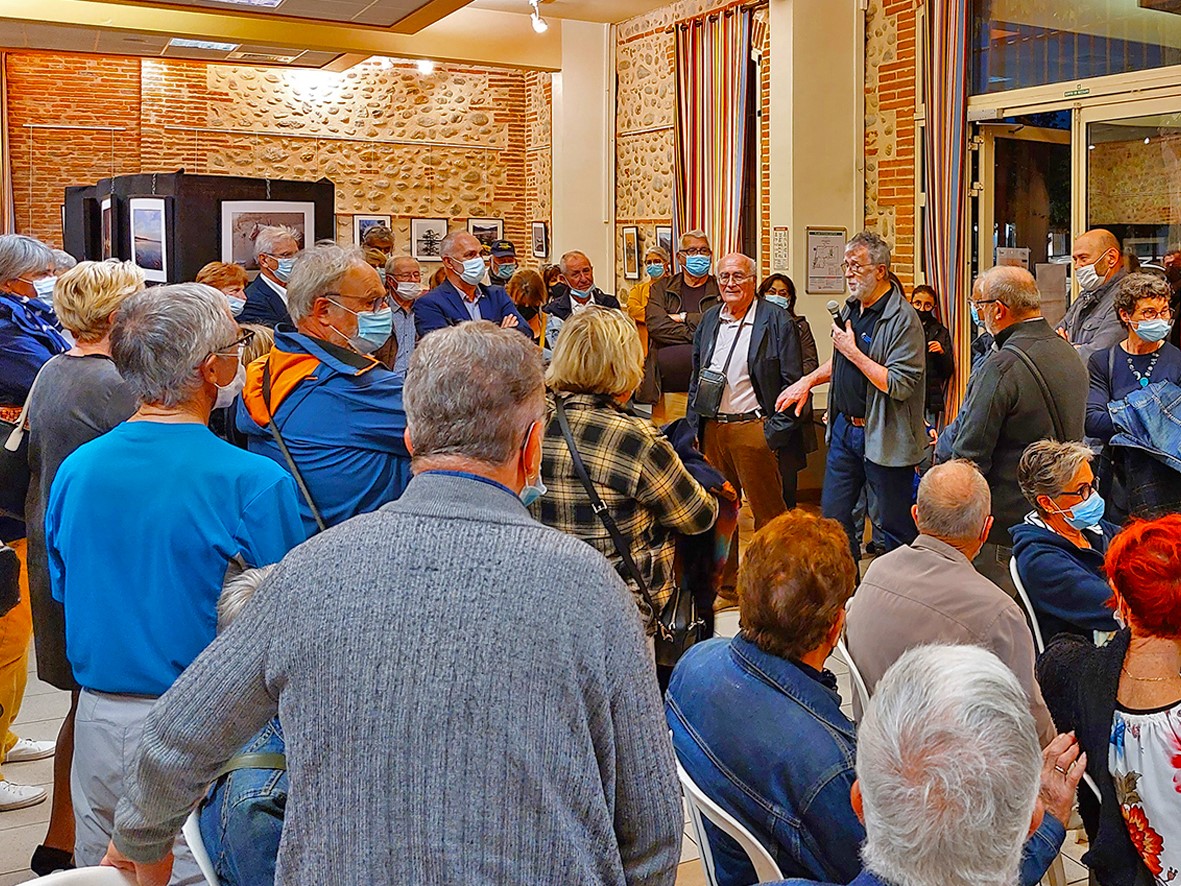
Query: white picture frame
[426, 236]
[486, 230]
[241, 219]
[362, 223]
[149, 236]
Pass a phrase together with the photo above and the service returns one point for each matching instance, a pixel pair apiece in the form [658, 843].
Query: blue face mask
[283, 272]
[975, 317]
[1087, 513]
[697, 265]
[1153, 330]
[373, 329]
[504, 272]
[580, 294]
[531, 493]
[655, 272]
[236, 304]
[780, 300]
[44, 289]
[473, 270]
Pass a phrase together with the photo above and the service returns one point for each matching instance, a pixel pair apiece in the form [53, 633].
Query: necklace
[1147, 376]
[1146, 679]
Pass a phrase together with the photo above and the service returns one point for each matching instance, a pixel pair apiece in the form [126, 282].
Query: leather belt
[733, 417]
[855, 422]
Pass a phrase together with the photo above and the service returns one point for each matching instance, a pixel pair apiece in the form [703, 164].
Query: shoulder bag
[274, 426]
[677, 625]
[14, 457]
[711, 383]
[1051, 406]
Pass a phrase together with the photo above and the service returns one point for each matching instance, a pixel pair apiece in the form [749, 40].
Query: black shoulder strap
[1051, 406]
[274, 426]
[600, 509]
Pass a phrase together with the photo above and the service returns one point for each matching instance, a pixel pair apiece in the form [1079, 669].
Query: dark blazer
[562, 306]
[264, 306]
[1079, 683]
[443, 306]
[774, 362]
[1004, 411]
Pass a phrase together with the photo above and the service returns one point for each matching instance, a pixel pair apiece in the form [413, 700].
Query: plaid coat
[639, 477]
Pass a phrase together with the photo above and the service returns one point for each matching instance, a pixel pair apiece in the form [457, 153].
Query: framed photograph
[362, 223]
[241, 221]
[486, 230]
[149, 236]
[107, 227]
[540, 240]
[426, 236]
[631, 252]
[664, 237]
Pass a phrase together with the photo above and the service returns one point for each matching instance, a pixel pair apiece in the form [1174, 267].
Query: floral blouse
[1145, 761]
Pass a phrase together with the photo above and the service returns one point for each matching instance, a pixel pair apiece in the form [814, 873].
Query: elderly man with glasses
[319, 404]
[876, 426]
[745, 352]
[275, 251]
[141, 527]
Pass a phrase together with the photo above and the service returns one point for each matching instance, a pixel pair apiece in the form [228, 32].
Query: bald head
[1100, 248]
[1015, 288]
[953, 502]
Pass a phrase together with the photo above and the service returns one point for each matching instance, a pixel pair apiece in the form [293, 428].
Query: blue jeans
[847, 472]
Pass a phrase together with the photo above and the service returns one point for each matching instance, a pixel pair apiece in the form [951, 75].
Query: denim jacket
[1150, 420]
[242, 818]
[769, 743]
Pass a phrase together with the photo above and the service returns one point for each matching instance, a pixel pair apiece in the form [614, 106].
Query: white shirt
[577, 307]
[278, 287]
[739, 395]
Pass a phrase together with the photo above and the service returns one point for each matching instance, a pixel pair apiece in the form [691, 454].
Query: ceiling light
[1147, 139]
[183, 43]
[426, 67]
[539, 24]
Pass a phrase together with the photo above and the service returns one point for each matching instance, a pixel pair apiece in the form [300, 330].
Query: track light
[540, 25]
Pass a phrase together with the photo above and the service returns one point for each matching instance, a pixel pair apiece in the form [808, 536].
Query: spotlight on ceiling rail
[540, 25]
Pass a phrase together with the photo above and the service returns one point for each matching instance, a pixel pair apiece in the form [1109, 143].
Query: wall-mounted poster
[362, 223]
[540, 240]
[107, 227]
[486, 230]
[631, 253]
[149, 236]
[426, 236]
[241, 221]
[826, 254]
[664, 237]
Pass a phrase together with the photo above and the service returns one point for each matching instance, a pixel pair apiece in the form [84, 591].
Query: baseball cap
[501, 248]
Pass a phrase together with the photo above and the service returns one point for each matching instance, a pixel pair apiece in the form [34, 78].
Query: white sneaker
[19, 796]
[26, 749]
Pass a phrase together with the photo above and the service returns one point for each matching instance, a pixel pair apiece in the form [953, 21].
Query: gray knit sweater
[467, 697]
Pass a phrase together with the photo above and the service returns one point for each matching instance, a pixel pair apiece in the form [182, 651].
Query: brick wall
[463, 142]
[890, 68]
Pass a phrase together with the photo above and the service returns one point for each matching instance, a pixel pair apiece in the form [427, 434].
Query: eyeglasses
[1082, 493]
[697, 250]
[734, 278]
[983, 301]
[1153, 314]
[236, 347]
[853, 267]
[375, 304]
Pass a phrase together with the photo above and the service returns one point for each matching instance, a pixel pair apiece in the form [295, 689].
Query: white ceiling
[604, 11]
[383, 13]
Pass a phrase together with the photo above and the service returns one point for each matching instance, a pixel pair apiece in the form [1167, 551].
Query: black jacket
[940, 367]
[774, 362]
[1004, 411]
[264, 306]
[1079, 683]
[561, 304]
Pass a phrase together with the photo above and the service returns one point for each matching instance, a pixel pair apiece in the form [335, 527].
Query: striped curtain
[945, 247]
[7, 203]
[712, 121]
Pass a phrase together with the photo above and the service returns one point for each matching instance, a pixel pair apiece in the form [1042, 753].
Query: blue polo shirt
[141, 526]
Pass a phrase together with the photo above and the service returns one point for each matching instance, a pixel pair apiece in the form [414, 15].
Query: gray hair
[696, 234]
[1013, 287]
[879, 249]
[949, 768]
[391, 264]
[268, 238]
[63, 261]
[1047, 466]
[161, 335]
[564, 260]
[317, 273]
[376, 232]
[472, 391]
[658, 251]
[21, 255]
[953, 501]
[237, 591]
[447, 244]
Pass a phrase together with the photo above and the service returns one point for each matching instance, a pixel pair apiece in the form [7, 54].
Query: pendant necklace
[1147, 375]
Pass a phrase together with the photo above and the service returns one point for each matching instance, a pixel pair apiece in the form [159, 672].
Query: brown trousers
[740, 451]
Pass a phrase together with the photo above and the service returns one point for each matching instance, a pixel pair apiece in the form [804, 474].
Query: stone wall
[1131, 183]
[462, 142]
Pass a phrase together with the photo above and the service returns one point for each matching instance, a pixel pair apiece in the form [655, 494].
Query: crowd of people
[415, 553]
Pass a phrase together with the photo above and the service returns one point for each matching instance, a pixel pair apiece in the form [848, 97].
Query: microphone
[835, 310]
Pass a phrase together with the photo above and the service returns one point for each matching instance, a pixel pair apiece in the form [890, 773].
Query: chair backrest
[192, 833]
[700, 805]
[86, 877]
[859, 687]
[1027, 605]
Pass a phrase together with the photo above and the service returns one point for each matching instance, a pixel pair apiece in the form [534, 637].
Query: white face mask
[409, 291]
[227, 393]
[1088, 278]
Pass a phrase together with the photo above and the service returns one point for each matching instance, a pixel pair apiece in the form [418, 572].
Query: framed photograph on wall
[631, 252]
[107, 227]
[540, 240]
[426, 236]
[241, 221]
[486, 230]
[362, 223]
[149, 236]
[664, 237]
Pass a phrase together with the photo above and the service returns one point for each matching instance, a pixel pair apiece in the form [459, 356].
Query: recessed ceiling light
[182, 43]
[426, 67]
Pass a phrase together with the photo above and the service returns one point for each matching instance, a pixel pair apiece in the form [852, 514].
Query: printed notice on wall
[826, 251]
[780, 249]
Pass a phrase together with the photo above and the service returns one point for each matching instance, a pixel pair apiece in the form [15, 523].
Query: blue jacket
[264, 305]
[444, 306]
[1065, 583]
[242, 818]
[341, 417]
[1150, 420]
[29, 336]
[769, 743]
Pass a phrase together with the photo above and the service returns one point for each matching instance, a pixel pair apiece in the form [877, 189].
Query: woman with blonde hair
[230, 279]
[648, 492]
[78, 397]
